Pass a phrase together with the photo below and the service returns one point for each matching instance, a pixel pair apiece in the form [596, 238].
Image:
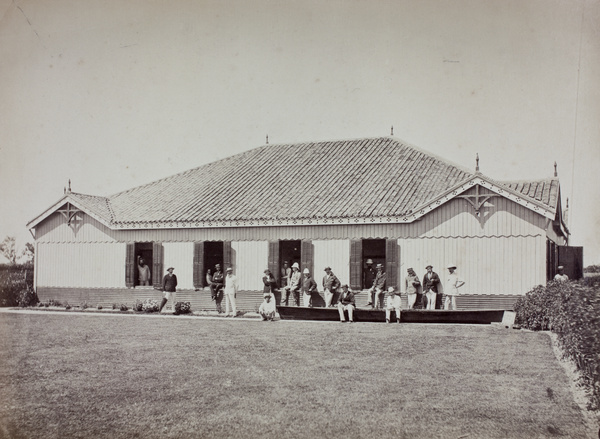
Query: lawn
[112, 376]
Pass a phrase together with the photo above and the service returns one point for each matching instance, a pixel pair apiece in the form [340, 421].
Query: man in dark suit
[430, 288]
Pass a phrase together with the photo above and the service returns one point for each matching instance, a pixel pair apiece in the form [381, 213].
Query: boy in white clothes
[267, 308]
[453, 283]
[392, 302]
[231, 287]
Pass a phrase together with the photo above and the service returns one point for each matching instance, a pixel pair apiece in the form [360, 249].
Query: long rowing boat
[480, 316]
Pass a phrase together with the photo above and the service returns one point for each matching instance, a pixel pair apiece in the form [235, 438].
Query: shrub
[571, 310]
[123, 307]
[182, 308]
[99, 306]
[84, 305]
[147, 305]
[114, 306]
[67, 306]
[15, 282]
[27, 297]
[137, 306]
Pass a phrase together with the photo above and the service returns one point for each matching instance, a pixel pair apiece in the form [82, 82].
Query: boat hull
[476, 316]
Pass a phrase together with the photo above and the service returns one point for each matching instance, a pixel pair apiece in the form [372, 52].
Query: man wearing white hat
[309, 286]
[293, 286]
[392, 303]
[453, 283]
[267, 308]
[561, 276]
[231, 288]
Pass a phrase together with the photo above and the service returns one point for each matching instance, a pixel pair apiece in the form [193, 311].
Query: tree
[28, 253]
[8, 248]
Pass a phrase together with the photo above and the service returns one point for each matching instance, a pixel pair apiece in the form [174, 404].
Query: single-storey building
[332, 203]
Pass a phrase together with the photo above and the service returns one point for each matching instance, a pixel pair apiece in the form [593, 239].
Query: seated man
[267, 308]
[378, 289]
[346, 303]
[392, 302]
[293, 286]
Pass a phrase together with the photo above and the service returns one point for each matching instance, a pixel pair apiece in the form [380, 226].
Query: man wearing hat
[431, 280]
[216, 287]
[369, 274]
[269, 282]
[453, 283]
[330, 286]
[378, 288]
[169, 288]
[412, 285]
[561, 276]
[231, 288]
[346, 303]
[392, 303]
[309, 286]
[267, 308]
[293, 286]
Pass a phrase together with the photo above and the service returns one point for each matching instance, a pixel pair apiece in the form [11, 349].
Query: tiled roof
[99, 205]
[546, 191]
[347, 178]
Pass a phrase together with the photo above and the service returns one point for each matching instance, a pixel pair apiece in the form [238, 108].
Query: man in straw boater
[309, 286]
[431, 280]
[392, 303]
[378, 289]
[169, 288]
[231, 288]
[330, 285]
[346, 303]
[453, 283]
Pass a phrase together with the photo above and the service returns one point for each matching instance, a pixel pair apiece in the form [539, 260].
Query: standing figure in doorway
[453, 283]
[378, 289]
[431, 280]
[231, 288]
[285, 274]
[330, 286]
[216, 287]
[293, 286]
[369, 274]
[169, 288]
[144, 272]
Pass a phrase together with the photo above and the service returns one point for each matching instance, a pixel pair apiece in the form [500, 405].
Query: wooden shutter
[130, 265]
[306, 256]
[199, 278]
[391, 262]
[157, 265]
[227, 255]
[356, 264]
[274, 259]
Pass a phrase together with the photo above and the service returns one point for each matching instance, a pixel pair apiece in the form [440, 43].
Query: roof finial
[476, 162]
[267, 139]
[392, 131]
[555, 171]
[567, 202]
[69, 188]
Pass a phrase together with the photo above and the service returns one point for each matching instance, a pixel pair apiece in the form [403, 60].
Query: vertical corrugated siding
[335, 254]
[488, 265]
[91, 265]
[180, 255]
[250, 259]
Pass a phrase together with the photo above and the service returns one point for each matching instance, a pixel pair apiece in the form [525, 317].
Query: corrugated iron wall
[250, 259]
[180, 255]
[495, 266]
[335, 254]
[93, 265]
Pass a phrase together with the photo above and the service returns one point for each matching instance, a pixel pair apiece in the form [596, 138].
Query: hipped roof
[373, 177]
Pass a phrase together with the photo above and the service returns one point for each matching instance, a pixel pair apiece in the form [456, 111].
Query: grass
[76, 376]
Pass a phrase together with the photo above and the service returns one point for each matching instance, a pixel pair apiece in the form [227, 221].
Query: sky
[115, 94]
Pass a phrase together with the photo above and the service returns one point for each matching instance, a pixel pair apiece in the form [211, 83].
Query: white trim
[62, 202]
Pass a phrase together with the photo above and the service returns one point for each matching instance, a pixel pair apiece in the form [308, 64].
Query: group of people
[225, 285]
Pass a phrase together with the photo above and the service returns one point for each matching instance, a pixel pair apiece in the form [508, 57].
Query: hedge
[572, 311]
[16, 285]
